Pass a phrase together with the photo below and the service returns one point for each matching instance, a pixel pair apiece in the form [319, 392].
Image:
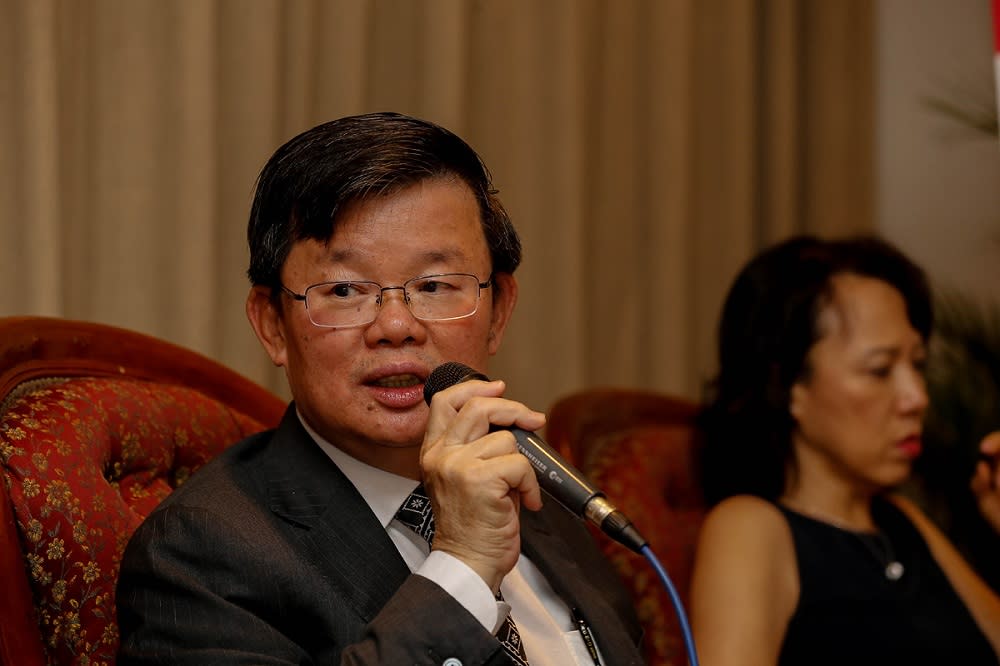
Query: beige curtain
[644, 147]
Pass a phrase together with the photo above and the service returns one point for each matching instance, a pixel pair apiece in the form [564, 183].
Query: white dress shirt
[547, 630]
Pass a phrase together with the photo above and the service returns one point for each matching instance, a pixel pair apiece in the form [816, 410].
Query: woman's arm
[745, 584]
[979, 598]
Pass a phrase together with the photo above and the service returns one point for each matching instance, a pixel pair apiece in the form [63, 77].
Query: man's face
[361, 387]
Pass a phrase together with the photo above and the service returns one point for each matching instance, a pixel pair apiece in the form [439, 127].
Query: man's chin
[398, 443]
[398, 435]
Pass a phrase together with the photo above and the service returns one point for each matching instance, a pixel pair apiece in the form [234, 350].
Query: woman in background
[807, 556]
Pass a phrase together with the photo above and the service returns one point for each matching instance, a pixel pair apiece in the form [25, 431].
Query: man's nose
[394, 322]
[403, 296]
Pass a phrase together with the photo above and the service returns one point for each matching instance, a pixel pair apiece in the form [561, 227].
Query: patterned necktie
[416, 514]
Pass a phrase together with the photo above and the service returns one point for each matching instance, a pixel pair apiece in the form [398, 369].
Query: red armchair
[639, 447]
[97, 425]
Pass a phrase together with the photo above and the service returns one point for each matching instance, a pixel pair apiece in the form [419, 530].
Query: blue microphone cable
[675, 598]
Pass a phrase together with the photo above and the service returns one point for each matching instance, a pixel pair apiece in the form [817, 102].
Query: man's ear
[267, 322]
[504, 300]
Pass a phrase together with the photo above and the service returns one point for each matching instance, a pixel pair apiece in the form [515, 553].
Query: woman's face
[859, 410]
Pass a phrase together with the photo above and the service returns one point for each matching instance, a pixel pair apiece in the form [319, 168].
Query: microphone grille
[449, 374]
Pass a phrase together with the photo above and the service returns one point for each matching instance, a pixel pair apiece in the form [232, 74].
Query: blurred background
[645, 149]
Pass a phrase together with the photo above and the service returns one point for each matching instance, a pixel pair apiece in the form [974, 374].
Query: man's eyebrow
[430, 257]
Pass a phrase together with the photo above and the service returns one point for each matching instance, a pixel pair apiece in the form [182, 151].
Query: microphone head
[448, 374]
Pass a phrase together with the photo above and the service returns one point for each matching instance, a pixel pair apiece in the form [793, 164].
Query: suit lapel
[548, 552]
[338, 533]
[330, 520]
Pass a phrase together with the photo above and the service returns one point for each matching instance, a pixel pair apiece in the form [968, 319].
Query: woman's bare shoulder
[748, 529]
[747, 513]
[744, 585]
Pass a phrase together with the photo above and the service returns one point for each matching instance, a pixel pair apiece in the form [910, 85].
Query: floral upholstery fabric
[84, 461]
[648, 473]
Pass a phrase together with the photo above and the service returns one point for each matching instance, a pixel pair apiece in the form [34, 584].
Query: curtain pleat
[645, 148]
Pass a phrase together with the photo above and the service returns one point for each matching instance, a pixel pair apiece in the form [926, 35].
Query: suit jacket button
[451, 661]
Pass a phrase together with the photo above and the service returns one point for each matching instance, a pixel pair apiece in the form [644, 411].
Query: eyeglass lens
[431, 297]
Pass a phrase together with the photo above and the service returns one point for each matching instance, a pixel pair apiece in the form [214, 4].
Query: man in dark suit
[378, 250]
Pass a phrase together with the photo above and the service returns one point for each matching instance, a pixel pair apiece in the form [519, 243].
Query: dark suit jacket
[269, 555]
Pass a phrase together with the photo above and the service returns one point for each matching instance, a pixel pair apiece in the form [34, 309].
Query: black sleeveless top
[850, 612]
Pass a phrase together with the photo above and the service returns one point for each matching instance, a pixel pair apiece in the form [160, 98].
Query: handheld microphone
[557, 477]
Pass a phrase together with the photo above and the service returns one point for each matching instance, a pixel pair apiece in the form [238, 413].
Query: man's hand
[476, 479]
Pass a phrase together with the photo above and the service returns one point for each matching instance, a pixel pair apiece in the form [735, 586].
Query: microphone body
[556, 476]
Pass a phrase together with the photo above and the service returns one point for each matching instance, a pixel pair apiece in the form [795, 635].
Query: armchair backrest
[639, 448]
[97, 425]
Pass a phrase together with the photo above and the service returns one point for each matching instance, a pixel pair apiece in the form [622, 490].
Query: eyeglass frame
[378, 299]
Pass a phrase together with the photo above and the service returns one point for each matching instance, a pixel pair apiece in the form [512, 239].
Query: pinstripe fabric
[269, 555]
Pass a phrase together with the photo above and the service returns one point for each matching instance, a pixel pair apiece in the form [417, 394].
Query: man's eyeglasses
[357, 302]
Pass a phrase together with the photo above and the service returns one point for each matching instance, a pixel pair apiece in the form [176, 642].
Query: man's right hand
[476, 479]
